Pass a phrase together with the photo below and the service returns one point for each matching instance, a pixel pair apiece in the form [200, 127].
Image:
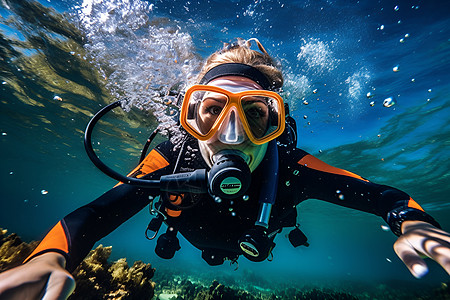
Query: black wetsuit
[212, 225]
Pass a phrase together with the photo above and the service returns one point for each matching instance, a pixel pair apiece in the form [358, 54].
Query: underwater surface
[368, 83]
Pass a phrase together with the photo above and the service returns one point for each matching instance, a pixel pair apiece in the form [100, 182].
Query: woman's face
[231, 135]
[256, 110]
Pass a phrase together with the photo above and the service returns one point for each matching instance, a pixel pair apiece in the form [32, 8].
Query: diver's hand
[43, 277]
[421, 238]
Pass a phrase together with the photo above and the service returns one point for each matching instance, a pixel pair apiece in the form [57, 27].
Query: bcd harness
[256, 244]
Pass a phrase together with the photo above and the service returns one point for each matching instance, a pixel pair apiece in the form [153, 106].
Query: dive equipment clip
[155, 223]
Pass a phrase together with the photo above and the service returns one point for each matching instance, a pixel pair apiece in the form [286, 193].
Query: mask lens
[257, 114]
[205, 108]
[261, 113]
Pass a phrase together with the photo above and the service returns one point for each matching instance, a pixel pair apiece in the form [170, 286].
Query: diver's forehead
[235, 84]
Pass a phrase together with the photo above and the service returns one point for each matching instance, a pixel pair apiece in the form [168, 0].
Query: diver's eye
[255, 113]
[213, 110]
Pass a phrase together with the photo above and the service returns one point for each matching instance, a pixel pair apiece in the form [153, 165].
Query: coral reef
[96, 278]
[315, 293]
[99, 279]
[219, 291]
[186, 290]
[441, 293]
[176, 286]
[12, 250]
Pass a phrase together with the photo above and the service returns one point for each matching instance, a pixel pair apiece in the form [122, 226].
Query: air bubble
[217, 199]
[388, 102]
[385, 228]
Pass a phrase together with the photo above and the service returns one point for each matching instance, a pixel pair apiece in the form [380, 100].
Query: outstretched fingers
[415, 264]
[422, 238]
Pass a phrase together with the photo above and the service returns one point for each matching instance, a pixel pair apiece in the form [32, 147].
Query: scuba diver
[229, 187]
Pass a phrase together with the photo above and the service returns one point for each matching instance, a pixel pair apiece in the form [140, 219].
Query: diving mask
[208, 110]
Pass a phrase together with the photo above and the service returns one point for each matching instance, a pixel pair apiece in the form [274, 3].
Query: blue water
[333, 54]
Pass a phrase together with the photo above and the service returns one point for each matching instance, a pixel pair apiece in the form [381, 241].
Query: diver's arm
[75, 235]
[419, 234]
[44, 275]
[322, 181]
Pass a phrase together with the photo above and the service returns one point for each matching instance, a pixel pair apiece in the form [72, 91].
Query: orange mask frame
[233, 100]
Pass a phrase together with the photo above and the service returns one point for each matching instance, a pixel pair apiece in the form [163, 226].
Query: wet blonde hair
[240, 52]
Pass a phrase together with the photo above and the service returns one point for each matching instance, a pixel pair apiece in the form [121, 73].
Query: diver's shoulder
[171, 147]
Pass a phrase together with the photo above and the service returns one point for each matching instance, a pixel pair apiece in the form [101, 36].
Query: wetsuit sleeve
[318, 180]
[75, 235]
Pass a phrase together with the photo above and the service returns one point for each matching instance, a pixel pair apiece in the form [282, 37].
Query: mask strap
[237, 69]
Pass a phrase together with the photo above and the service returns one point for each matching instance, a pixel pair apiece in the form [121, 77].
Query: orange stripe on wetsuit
[55, 240]
[414, 204]
[152, 162]
[312, 162]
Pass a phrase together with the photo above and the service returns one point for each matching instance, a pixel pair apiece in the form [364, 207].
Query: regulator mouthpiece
[229, 177]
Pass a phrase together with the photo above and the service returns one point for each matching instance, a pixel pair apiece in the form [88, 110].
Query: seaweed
[96, 278]
[12, 250]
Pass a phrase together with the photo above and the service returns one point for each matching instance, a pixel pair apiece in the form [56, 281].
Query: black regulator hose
[147, 144]
[229, 178]
[99, 164]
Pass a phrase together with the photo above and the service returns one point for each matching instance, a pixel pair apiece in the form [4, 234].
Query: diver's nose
[232, 131]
